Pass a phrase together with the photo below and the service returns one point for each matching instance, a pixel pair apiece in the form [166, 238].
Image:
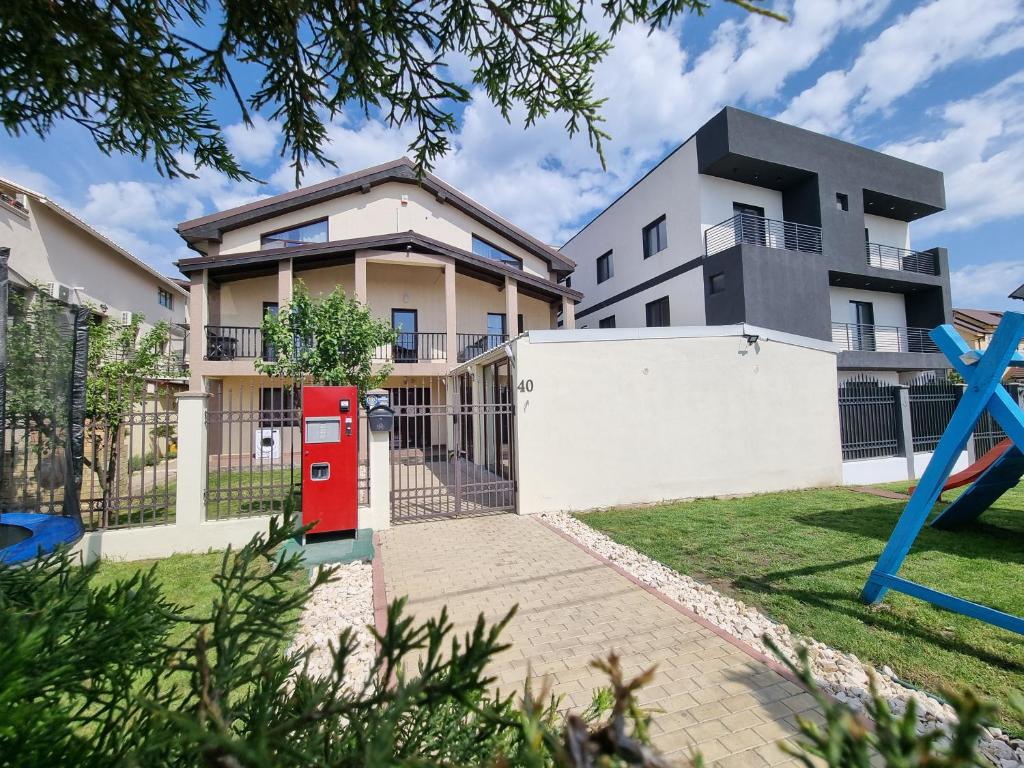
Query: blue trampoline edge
[48, 532]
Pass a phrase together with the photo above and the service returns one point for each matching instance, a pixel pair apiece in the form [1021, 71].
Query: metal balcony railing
[748, 229]
[416, 348]
[473, 344]
[234, 342]
[882, 338]
[891, 257]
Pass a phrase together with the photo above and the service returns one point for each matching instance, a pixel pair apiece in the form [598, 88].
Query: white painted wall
[885, 231]
[717, 196]
[670, 189]
[381, 211]
[890, 468]
[890, 309]
[651, 415]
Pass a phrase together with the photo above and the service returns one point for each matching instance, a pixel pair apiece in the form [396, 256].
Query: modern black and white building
[755, 221]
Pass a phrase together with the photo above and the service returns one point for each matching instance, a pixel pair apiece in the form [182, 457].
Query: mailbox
[381, 418]
[330, 458]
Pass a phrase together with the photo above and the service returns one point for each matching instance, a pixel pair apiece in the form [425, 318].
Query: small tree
[121, 360]
[332, 340]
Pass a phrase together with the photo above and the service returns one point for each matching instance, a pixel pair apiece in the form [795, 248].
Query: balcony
[748, 229]
[891, 257]
[473, 344]
[234, 342]
[882, 338]
[429, 347]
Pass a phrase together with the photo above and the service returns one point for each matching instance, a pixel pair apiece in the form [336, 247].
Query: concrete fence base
[192, 532]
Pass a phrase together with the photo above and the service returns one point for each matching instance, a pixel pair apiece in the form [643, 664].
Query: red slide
[974, 471]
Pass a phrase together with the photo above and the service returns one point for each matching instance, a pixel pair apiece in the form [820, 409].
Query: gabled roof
[980, 321]
[398, 241]
[402, 171]
[73, 219]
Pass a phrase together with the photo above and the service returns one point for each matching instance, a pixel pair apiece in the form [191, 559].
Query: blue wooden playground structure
[983, 373]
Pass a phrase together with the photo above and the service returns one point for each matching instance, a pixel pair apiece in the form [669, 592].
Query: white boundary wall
[191, 532]
[890, 468]
[630, 416]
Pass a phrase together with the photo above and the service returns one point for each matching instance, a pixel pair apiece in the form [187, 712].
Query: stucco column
[193, 464]
[199, 318]
[478, 421]
[568, 313]
[285, 278]
[360, 279]
[380, 482]
[902, 394]
[451, 314]
[511, 307]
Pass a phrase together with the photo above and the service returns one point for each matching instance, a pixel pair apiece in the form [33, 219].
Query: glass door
[863, 316]
[404, 322]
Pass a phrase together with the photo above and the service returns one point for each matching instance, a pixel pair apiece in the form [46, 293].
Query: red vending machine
[330, 458]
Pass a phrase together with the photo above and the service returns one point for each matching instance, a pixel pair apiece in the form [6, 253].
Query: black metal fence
[869, 419]
[255, 450]
[932, 402]
[234, 342]
[891, 257]
[987, 431]
[750, 229]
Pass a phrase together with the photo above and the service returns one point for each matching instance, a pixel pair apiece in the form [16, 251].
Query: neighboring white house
[53, 248]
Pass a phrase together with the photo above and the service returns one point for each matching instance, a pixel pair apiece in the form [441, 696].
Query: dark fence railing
[234, 342]
[748, 229]
[891, 257]
[869, 419]
[882, 338]
[426, 347]
[932, 403]
[473, 344]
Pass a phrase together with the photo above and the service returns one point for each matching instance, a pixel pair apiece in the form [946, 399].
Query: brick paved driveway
[572, 607]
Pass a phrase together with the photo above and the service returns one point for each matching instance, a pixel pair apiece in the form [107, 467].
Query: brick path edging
[768, 661]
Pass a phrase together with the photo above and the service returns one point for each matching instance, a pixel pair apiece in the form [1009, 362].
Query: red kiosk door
[330, 458]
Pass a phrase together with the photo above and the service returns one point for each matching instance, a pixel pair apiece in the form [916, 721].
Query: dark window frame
[842, 201]
[504, 324]
[264, 236]
[403, 353]
[609, 267]
[606, 322]
[716, 283]
[288, 401]
[662, 307]
[660, 228]
[512, 260]
[165, 298]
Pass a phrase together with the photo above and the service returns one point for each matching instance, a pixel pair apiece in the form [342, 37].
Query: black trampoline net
[42, 398]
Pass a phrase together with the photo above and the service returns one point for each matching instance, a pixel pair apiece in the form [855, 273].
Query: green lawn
[802, 557]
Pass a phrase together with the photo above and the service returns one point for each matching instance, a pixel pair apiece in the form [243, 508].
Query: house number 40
[525, 385]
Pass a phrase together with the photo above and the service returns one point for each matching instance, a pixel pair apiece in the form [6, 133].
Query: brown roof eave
[376, 242]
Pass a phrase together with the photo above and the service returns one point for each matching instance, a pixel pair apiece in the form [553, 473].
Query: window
[164, 298]
[405, 322]
[278, 407]
[862, 336]
[495, 327]
[519, 322]
[716, 283]
[269, 308]
[604, 267]
[568, 282]
[657, 313]
[313, 232]
[606, 322]
[842, 202]
[655, 237]
[483, 248]
[749, 224]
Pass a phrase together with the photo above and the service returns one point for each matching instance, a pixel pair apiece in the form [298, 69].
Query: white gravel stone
[345, 602]
[841, 674]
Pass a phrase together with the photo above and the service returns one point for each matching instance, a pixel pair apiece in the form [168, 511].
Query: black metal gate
[453, 447]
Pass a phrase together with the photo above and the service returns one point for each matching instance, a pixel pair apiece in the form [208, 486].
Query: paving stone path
[707, 694]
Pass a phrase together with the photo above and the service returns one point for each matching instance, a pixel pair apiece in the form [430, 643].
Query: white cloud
[255, 143]
[915, 48]
[987, 286]
[27, 177]
[980, 148]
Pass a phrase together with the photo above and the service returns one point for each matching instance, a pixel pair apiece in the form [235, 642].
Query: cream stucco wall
[385, 209]
[626, 417]
[46, 247]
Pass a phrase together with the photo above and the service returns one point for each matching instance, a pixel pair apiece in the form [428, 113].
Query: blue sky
[940, 82]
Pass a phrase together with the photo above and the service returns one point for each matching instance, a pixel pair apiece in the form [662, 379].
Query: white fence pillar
[903, 398]
[193, 463]
[379, 457]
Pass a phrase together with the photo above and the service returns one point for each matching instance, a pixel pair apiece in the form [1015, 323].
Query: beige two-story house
[453, 278]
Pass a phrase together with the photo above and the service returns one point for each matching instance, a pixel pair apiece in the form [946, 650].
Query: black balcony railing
[234, 342]
[748, 229]
[473, 344]
[882, 338]
[891, 257]
[426, 347]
